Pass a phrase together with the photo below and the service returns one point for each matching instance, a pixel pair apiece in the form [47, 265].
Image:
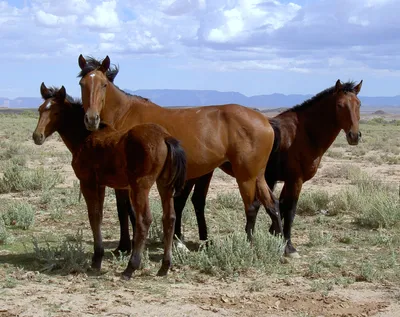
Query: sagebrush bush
[312, 202]
[234, 253]
[19, 214]
[4, 235]
[17, 178]
[68, 255]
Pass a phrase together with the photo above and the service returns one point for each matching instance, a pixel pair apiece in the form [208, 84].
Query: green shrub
[233, 253]
[19, 214]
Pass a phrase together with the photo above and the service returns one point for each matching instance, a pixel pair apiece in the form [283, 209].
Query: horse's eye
[105, 85]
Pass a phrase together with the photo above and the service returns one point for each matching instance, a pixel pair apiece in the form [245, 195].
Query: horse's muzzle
[353, 138]
[92, 122]
[38, 138]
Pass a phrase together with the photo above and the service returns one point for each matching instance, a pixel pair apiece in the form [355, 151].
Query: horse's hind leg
[247, 191]
[140, 201]
[94, 197]
[168, 220]
[271, 204]
[125, 209]
[179, 205]
[199, 203]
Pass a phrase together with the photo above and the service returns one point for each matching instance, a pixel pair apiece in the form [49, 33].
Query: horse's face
[348, 112]
[93, 89]
[49, 114]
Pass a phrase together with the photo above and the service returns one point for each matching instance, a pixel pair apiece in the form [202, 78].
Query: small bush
[4, 235]
[233, 253]
[229, 200]
[68, 255]
[19, 214]
[17, 178]
[312, 202]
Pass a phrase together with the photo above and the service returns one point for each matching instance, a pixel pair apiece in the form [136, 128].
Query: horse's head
[348, 110]
[49, 113]
[95, 78]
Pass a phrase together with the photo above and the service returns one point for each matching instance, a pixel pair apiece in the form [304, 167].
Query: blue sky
[249, 46]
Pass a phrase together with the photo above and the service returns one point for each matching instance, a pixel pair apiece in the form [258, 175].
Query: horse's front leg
[94, 197]
[288, 203]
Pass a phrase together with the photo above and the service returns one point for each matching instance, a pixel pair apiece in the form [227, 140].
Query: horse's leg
[140, 201]
[271, 204]
[94, 197]
[288, 203]
[179, 205]
[199, 203]
[168, 220]
[255, 206]
[125, 209]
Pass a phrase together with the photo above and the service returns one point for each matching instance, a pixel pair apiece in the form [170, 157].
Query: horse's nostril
[97, 117]
[359, 134]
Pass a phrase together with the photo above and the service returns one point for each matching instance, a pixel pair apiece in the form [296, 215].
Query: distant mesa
[380, 112]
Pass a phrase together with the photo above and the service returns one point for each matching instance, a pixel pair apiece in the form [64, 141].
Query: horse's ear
[61, 94]
[81, 61]
[338, 86]
[105, 64]
[358, 88]
[44, 91]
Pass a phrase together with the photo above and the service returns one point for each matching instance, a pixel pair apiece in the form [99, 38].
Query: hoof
[126, 276]
[163, 271]
[95, 266]
[293, 255]
[180, 246]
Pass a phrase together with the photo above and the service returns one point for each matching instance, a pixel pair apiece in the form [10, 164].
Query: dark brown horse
[302, 136]
[211, 136]
[133, 160]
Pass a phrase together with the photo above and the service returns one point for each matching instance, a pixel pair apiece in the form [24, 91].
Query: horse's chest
[99, 165]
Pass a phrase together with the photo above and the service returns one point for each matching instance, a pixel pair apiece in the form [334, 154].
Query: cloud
[104, 16]
[318, 36]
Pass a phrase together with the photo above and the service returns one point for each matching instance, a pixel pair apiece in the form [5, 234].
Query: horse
[132, 160]
[211, 136]
[303, 134]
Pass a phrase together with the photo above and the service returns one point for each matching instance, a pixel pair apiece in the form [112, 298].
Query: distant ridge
[190, 98]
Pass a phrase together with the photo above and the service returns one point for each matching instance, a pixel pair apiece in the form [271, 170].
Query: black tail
[177, 164]
[272, 169]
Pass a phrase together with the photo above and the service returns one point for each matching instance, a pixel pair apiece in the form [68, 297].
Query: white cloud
[104, 16]
[51, 20]
[227, 34]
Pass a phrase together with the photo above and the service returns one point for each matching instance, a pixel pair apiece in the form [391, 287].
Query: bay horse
[132, 160]
[211, 136]
[303, 134]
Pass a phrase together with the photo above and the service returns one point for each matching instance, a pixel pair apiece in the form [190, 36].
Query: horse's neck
[321, 125]
[122, 109]
[73, 132]
[317, 121]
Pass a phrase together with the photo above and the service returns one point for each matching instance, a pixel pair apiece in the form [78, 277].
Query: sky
[249, 46]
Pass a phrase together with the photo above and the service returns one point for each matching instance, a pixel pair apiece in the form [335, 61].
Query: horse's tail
[176, 164]
[272, 168]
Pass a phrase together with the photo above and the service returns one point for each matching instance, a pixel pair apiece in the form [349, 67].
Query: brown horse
[133, 160]
[211, 136]
[302, 136]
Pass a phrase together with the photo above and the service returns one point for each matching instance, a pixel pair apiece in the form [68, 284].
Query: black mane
[52, 93]
[94, 64]
[346, 87]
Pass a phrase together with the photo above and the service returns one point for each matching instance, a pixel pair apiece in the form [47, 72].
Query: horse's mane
[346, 87]
[94, 64]
[53, 91]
